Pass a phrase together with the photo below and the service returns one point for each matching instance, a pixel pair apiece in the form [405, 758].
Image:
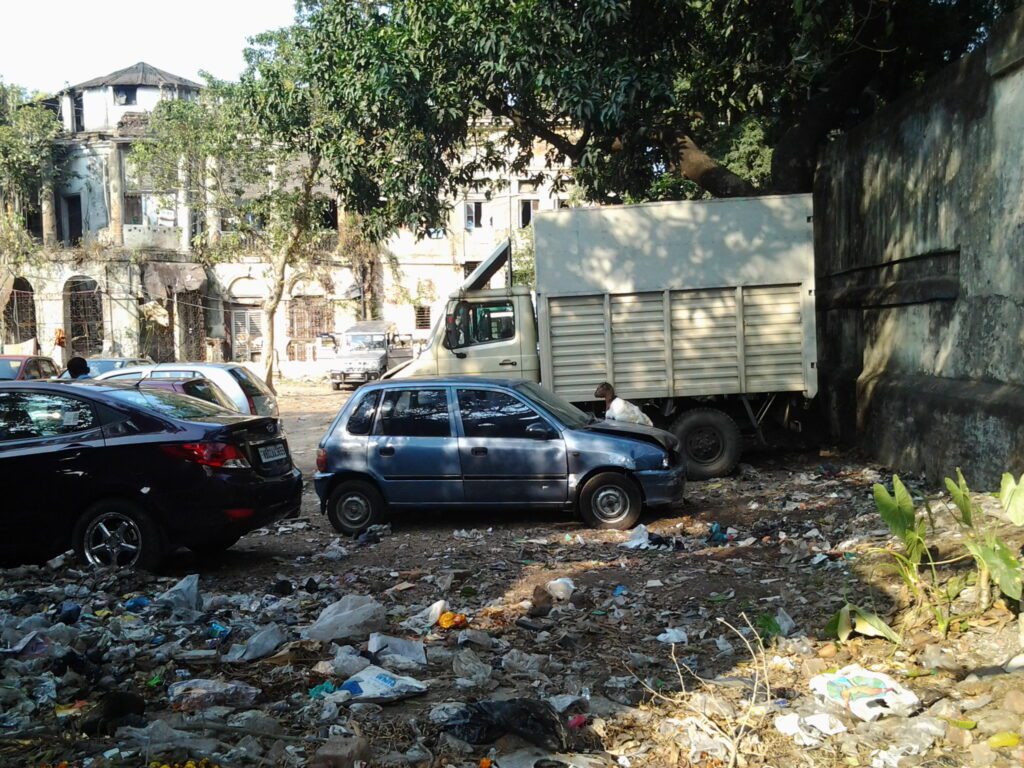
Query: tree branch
[544, 133]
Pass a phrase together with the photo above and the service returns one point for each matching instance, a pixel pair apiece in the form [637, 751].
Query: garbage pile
[691, 638]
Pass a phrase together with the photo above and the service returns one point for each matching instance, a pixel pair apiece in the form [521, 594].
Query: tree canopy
[646, 98]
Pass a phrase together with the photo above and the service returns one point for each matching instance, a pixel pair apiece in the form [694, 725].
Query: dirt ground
[792, 530]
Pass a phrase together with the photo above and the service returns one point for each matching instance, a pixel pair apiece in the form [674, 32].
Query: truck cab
[484, 331]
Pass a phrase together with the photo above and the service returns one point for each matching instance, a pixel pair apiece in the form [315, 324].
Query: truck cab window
[481, 323]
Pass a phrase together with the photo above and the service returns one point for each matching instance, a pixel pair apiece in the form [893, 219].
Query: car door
[413, 449]
[510, 454]
[482, 340]
[50, 450]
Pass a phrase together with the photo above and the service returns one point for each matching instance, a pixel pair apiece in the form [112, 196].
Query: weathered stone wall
[919, 239]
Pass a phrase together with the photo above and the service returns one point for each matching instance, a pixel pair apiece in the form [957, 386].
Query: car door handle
[508, 362]
[478, 451]
[387, 451]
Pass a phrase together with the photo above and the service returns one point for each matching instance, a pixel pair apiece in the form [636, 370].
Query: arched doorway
[83, 317]
[19, 317]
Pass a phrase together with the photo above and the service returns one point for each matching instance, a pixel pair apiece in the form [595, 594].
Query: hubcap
[113, 539]
[610, 504]
[354, 509]
[704, 445]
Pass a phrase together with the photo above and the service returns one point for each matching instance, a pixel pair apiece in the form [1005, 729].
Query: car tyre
[354, 506]
[710, 441]
[216, 544]
[336, 386]
[118, 533]
[610, 500]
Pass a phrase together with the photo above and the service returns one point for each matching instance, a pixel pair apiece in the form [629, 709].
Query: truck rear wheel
[710, 440]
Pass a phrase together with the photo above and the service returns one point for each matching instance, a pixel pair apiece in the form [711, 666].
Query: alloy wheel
[113, 539]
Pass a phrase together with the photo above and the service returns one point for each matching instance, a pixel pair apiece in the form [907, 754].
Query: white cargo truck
[701, 311]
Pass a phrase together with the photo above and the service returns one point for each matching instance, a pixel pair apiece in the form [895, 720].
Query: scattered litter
[676, 636]
[425, 620]
[376, 685]
[386, 646]
[868, 695]
[560, 589]
[354, 617]
[198, 693]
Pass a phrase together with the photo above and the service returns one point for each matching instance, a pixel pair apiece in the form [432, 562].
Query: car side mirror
[540, 431]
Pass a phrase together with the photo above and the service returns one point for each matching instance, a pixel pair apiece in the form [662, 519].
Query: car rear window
[205, 390]
[98, 367]
[250, 384]
[172, 404]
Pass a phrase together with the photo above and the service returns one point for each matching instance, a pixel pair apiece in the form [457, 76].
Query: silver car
[246, 390]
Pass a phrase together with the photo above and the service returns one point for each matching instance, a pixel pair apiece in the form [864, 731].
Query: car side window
[414, 413]
[174, 375]
[125, 376]
[32, 370]
[361, 420]
[42, 414]
[49, 369]
[487, 413]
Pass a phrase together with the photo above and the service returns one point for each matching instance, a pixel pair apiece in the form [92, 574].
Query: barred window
[422, 318]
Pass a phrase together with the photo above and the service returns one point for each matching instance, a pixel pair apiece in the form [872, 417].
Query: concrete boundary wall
[919, 240]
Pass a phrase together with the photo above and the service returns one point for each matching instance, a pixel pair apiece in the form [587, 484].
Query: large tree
[638, 94]
[30, 162]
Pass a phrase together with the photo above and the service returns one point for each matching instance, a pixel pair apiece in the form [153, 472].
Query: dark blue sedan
[474, 442]
[126, 474]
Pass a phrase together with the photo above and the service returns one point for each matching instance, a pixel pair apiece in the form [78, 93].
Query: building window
[469, 268]
[526, 210]
[310, 317]
[125, 95]
[422, 318]
[528, 187]
[436, 234]
[133, 210]
[474, 215]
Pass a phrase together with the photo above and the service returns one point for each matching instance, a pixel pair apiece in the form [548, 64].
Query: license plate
[269, 453]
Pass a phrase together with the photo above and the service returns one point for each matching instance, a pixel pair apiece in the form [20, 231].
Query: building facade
[116, 274]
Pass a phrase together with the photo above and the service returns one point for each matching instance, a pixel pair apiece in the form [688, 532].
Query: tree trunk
[796, 153]
[693, 163]
[279, 263]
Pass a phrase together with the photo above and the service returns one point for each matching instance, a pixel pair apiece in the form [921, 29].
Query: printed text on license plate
[272, 453]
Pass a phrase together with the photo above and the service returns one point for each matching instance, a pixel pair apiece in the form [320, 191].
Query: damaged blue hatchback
[474, 442]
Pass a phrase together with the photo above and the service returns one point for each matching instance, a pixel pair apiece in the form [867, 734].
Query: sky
[46, 44]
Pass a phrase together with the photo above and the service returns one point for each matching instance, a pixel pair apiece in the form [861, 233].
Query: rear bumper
[233, 505]
[663, 486]
[353, 377]
[322, 486]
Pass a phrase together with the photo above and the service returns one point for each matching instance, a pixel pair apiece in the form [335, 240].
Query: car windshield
[9, 369]
[172, 404]
[365, 342]
[563, 410]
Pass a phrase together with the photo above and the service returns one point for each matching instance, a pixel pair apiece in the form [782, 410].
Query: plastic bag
[468, 667]
[423, 621]
[560, 589]
[676, 635]
[184, 595]
[487, 721]
[376, 685]
[199, 693]
[386, 645]
[263, 643]
[868, 695]
[353, 617]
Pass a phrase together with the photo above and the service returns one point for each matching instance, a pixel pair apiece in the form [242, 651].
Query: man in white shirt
[618, 409]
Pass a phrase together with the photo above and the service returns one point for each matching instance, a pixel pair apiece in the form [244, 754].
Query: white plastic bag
[376, 685]
[353, 617]
[868, 695]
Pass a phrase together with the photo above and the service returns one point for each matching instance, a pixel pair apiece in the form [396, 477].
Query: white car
[247, 391]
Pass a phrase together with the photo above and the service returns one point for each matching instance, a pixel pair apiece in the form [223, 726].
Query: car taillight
[321, 460]
[252, 405]
[221, 455]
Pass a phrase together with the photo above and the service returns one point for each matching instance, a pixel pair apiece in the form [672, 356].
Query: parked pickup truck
[701, 311]
[368, 349]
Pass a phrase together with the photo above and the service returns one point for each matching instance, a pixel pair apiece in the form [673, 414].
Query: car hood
[639, 432]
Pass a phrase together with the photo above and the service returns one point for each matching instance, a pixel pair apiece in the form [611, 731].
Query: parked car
[126, 474]
[246, 390]
[478, 442]
[27, 368]
[204, 389]
[100, 365]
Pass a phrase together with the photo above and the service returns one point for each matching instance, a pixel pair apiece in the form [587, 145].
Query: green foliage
[1011, 496]
[850, 619]
[524, 269]
[414, 84]
[767, 626]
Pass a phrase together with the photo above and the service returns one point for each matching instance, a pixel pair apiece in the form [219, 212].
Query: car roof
[370, 326]
[18, 357]
[443, 381]
[68, 385]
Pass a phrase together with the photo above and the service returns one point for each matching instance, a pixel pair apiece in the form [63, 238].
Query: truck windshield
[563, 410]
[365, 342]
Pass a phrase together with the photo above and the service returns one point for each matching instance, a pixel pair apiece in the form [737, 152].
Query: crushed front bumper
[662, 487]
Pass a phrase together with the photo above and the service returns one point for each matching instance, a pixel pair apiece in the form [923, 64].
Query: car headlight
[666, 462]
